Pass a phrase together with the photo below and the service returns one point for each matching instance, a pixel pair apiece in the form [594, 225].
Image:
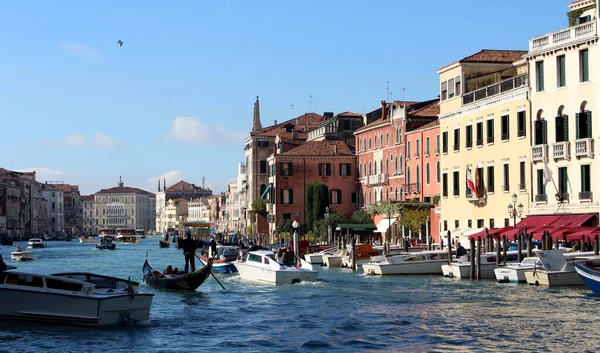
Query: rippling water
[344, 311]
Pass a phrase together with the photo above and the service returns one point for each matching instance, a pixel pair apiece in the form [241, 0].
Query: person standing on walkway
[189, 251]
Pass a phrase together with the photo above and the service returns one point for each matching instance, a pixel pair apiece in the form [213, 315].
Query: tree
[258, 207]
[360, 217]
[309, 204]
[284, 226]
[414, 219]
[336, 218]
[320, 200]
[388, 208]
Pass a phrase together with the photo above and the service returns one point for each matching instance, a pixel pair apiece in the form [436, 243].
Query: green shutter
[576, 125]
[544, 132]
[540, 74]
[563, 180]
[589, 124]
[585, 70]
[585, 181]
[562, 78]
[566, 127]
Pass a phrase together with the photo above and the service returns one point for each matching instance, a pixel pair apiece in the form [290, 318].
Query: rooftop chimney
[383, 110]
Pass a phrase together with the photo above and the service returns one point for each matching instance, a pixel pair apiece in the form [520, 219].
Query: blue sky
[176, 99]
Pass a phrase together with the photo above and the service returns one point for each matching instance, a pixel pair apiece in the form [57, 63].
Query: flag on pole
[470, 182]
[547, 174]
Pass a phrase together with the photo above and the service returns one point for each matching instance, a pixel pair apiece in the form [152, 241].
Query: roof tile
[320, 148]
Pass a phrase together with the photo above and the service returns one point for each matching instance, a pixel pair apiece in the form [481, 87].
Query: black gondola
[188, 282]
[164, 243]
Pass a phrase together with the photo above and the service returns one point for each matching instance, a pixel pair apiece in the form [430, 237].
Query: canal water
[342, 312]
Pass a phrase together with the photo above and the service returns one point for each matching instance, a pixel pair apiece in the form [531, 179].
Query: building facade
[179, 190]
[329, 162]
[126, 207]
[54, 208]
[73, 219]
[90, 215]
[176, 213]
[484, 114]
[563, 76]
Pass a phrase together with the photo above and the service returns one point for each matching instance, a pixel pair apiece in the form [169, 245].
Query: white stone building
[126, 207]
[54, 208]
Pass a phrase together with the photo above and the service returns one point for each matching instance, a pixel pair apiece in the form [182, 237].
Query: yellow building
[176, 213]
[563, 74]
[484, 116]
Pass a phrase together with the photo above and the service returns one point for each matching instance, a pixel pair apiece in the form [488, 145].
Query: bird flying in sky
[120, 43]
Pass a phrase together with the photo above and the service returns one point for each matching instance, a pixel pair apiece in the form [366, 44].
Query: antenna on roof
[310, 103]
[387, 91]
[292, 106]
[403, 90]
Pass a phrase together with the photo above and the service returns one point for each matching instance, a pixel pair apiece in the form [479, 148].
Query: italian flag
[470, 182]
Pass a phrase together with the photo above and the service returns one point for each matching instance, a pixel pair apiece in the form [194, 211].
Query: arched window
[387, 167]
[401, 165]
[369, 143]
[375, 142]
[396, 193]
[540, 129]
[583, 122]
[408, 175]
[396, 165]
[387, 139]
[381, 166]
[370, 169]
[360, 171]
[387, 193]
[380, 140]
[438, 172]
[418, 178]
[427, 174]
[374, 168]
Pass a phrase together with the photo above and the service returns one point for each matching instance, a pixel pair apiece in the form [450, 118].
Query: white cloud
[100, 139]
[171, 177]
[192, 130]
[77, 140]
[44, 173]
[79, 49]
[103, 140]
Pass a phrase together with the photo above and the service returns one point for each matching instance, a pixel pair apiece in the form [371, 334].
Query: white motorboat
[515, 273]
[335, 259]
[557, 269]
[36, 243]
[462, 267]
[418, 263]
[261, 266]
[72, 298]
[86, 239]
[21, 255]
[315, 258]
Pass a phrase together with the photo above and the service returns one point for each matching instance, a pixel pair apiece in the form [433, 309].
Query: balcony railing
[413, 188]
[383, 179]
[495, 88]
[584, 147]
[560, 150]
[541, 198]
[585, 195]
[583, 31]
[539, 152]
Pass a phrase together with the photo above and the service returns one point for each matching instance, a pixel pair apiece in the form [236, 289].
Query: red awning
[560, 224]
[493, 232]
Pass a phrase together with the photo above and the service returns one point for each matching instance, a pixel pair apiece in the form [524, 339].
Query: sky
[176, 100]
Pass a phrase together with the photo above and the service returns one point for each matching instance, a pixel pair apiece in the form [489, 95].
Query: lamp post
[327, 220]
[515, 210]
[295, 225]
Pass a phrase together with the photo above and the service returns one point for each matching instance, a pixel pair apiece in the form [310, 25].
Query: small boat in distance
[72, 298]
[185, 281]
[36, 243]
[414, 263]
[261, 266]
[163, 243]
[21, 255]
[106, 243]
[86, 239]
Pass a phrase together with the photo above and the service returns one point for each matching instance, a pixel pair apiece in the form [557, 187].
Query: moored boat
[72, 298]
[164, 243]
[187, 281]
[515, 272]
[417, 263]
[589, 271]
[261, 266]
[557, 268]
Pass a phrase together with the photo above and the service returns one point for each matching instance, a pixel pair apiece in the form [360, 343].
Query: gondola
[164, 243]
[188, 282]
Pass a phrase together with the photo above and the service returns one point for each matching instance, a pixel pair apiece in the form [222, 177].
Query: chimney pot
[275, 123]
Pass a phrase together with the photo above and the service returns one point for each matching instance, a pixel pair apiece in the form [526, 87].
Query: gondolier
[189, 250]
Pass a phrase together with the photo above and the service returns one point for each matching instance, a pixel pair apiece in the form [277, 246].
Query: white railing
[584, 147]
[560, 150]
[539, 152]
[383, 179]
[583, 31]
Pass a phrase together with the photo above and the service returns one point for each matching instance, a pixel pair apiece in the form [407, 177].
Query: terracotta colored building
[291, 169]
[383, 152]
[423, 173]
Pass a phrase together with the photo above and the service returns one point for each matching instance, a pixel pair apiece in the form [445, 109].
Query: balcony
[563, 37]
[541, 198]
[560, 150]
[539, 152]
[585, 196]
[413, 188]
[495, 88]
[584, 147]
[383, 179]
